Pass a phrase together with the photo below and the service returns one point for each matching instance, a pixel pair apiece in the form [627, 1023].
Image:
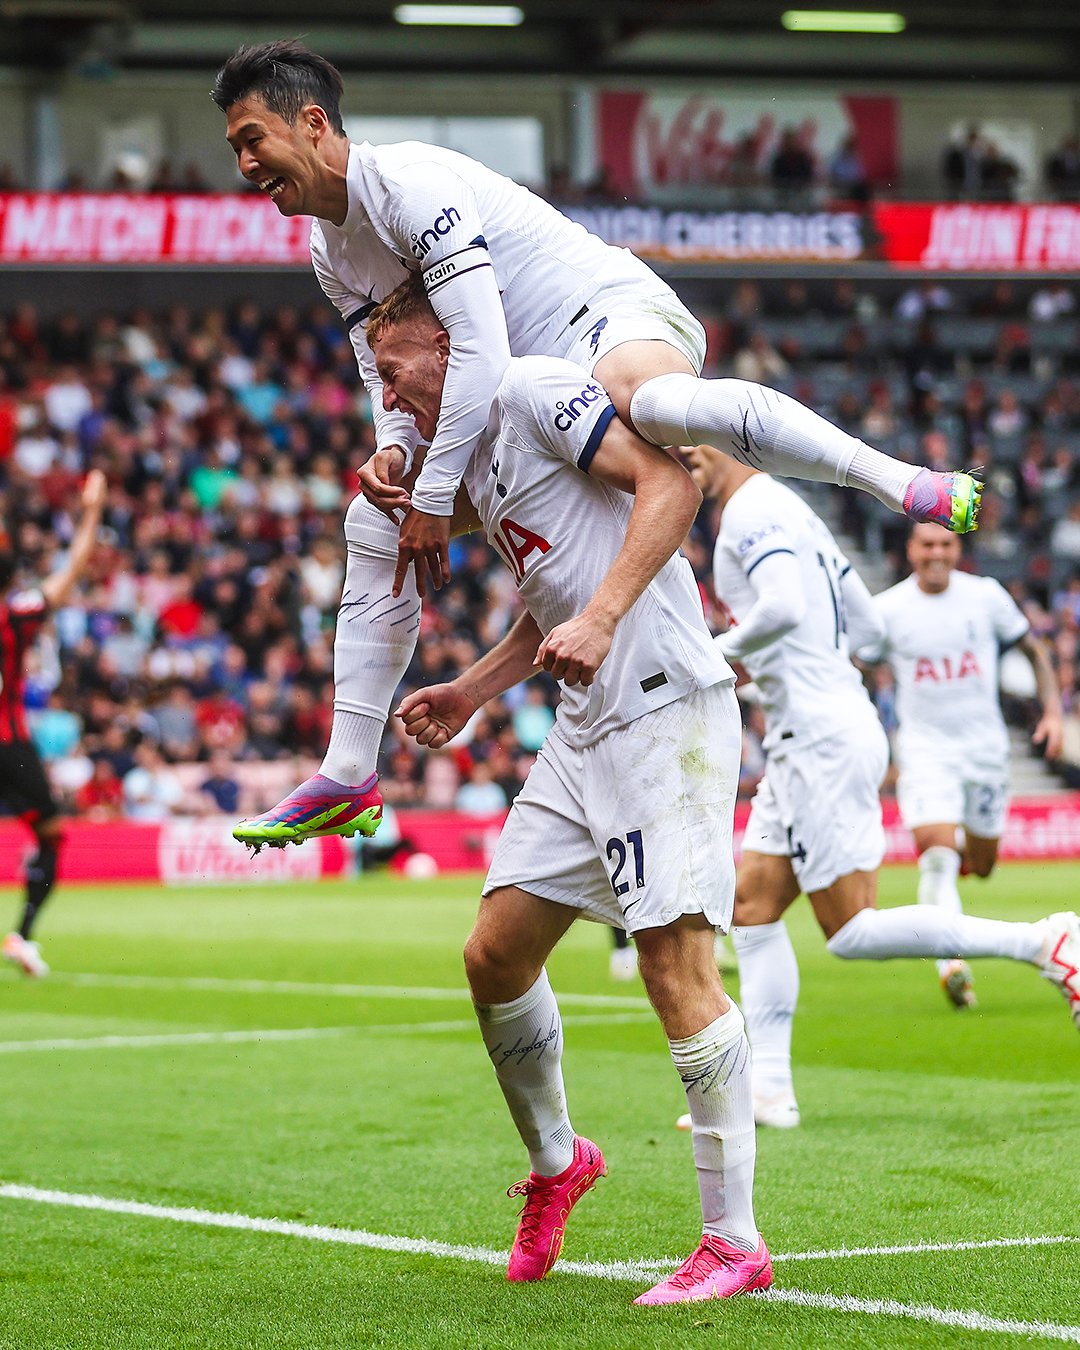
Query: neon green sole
[366, 823]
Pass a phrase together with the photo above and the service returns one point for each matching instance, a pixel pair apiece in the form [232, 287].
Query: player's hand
[573, 651]
[94, 490]
[380, 480]
[436, 714]
[1049, 734]
[425, 544]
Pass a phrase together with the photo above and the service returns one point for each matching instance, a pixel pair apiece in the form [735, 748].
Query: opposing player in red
[23, 784]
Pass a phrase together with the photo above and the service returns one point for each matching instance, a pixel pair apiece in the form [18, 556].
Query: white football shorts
[820, 807]
[618, 314]
[935, 793]
[635, 829]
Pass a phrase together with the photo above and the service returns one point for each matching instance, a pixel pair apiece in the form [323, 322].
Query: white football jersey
[944, 650]
[809, 688]
[559, 530]
[476, 236]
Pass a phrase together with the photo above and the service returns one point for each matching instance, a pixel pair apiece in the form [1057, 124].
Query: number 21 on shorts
[617, 853]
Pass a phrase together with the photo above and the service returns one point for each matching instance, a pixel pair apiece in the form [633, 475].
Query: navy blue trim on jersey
[478, 242]
[846, 570]
[464, 272]
[1008, 646]
[359, 315]
[768, 555]
[588, 453]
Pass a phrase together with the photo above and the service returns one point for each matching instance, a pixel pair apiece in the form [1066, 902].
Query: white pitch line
[150, 1039]
[637, 1271]
[218, 985]
[914, 1248]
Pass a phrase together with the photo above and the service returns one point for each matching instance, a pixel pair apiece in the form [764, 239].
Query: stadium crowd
[200, 648]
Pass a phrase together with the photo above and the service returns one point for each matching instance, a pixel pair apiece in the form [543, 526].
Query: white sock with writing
[939, 867]
[924, 930]
[714, 1066]
[373, 644]
[768, 993]
[524, 1042]
[766, 430]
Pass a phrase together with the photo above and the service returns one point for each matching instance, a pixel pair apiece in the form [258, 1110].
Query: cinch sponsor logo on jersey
[566, 414]
[745, 545]
[926, 668]
[439, 228]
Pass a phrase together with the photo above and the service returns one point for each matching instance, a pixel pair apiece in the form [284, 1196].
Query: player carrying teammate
[506, 274]
[943, 634]
[23, 784]
[815, 822]
[626, 816]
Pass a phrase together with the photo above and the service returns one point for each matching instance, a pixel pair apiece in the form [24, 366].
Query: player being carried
[626, 816]
[507, 274]
[815, 822]
[943, 632]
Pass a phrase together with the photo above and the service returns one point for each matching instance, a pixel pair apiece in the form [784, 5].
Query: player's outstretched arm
[436, 714]
[666, 500]
[57, 588]
[1049, 730]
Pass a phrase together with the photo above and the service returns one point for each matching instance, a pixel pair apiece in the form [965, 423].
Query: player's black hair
[286, 75]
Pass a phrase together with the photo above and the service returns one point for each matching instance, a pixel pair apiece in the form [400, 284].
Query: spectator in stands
[758, 360]
[847, 175]
[961, 166]
[999, 175]
[221, 788]
[1062, 171]
[1065, 536]
[480, 795]
[151, 790]
[791, 170]
[102, 797]
[1055, 300]
[927, 298]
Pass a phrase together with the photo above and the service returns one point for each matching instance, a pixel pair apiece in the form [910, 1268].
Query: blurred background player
[815, 822]
[382, 211]
[943, 633]
[23, 784]
[611, 824]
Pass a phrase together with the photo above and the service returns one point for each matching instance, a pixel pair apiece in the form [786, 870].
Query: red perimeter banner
[189, 852]
[962, 237]
[117, 230]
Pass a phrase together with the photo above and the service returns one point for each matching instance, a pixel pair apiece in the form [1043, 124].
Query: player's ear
[442, 346]
[313, 121]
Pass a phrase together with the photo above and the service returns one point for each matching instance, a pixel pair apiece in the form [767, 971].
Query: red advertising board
[124, 229]
[960, 237]
[191, 852]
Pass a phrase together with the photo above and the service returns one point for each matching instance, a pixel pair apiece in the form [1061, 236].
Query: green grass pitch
[369, 1107]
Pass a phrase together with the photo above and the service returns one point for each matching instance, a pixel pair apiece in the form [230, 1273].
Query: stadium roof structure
[996, 40]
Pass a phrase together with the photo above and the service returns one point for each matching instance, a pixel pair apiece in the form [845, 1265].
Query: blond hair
[406, 302]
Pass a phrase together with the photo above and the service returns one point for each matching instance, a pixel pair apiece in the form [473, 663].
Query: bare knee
[495, 972]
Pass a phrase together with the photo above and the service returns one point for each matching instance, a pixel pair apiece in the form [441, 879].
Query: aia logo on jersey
[566, 414]
[946, 669]
[441, 226]
[516, 543]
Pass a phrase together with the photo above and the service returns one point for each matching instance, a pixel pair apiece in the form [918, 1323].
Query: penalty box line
[638, 1271]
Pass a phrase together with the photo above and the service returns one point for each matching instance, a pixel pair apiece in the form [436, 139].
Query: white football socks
[766, 430]
[375, 639]
[714, 1066]
[768, 993]
[524, 1042]
[924, 930]
[939, 867]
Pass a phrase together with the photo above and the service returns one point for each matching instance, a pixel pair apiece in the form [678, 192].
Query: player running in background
[626, 816]
[23, 784]
[943, 634]
[507, 274]
[815, 821]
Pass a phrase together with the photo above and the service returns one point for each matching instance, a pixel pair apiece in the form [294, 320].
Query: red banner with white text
[192, 852]
[962, 237]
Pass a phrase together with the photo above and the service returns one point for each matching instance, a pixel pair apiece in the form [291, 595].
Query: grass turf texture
[921, 1124]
